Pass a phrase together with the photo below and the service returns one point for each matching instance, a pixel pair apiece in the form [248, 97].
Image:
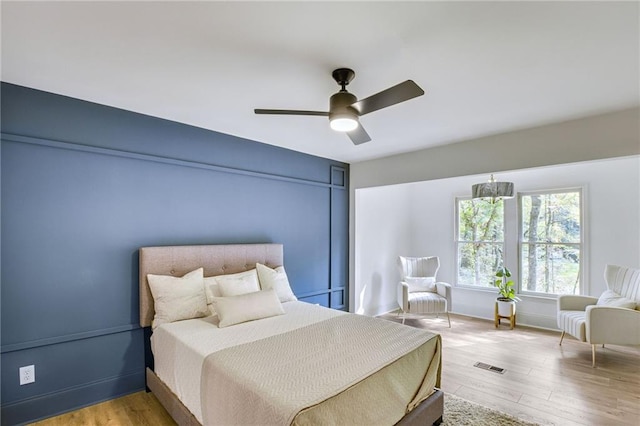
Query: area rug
[460, 412]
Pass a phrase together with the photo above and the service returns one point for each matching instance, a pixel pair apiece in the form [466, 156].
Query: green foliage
[480, 240]
[551, 242]
[550, 245]
[506, 287]
[556, 218]
[480, 221]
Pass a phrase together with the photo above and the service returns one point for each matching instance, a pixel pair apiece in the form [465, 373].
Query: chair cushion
[573, 322]
[611, 298]
[426, 302]
[418, 284]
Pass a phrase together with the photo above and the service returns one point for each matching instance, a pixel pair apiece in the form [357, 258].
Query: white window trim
[512, 239]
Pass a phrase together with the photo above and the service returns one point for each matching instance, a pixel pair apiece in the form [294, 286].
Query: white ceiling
[486, 67]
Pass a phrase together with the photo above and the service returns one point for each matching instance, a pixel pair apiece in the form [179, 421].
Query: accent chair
[612, 318]
[418, 290]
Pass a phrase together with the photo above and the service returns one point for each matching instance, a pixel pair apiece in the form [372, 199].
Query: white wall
[381, 222]
[612, 135]
[612, 205]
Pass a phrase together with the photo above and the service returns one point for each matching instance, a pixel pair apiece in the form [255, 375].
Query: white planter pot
[505, 307]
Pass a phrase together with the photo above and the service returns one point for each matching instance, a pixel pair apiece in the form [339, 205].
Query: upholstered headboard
[215, 259]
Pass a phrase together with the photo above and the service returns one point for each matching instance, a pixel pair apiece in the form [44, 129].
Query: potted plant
[506, 288]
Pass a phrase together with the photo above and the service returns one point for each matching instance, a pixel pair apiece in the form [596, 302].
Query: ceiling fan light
[343, 123]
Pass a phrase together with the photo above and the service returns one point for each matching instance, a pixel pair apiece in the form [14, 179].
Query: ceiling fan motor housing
[340, 105]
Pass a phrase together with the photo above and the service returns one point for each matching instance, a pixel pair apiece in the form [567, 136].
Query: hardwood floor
[543, 382]
[140, 408]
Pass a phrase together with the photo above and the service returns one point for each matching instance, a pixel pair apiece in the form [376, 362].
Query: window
[539, 237]
[479, 241]
[551, 242]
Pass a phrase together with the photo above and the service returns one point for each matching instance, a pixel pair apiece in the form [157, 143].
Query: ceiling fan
[345, 108]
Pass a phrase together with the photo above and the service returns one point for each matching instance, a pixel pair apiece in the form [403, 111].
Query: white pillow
[421, 284]
[613, 299]
[275, 279]
[212, 290]
[235, 286]
[177, 298]
[247, 307]
[212, 285]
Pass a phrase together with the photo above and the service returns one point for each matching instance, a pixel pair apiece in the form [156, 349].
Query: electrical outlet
[27, 374]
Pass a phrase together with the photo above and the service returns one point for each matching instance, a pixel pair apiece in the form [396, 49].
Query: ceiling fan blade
[391, 96]
[359, 135]
[290, 112]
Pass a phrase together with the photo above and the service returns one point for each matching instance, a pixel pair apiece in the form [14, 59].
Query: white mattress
[179, 348]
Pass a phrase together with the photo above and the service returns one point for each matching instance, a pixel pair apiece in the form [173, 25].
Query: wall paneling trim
[83, 186]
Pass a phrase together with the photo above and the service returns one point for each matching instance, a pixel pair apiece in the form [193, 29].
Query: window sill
[526, 296]
[473, 288]
[551, 297]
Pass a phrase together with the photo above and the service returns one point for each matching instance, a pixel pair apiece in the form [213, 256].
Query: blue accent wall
[83, 186]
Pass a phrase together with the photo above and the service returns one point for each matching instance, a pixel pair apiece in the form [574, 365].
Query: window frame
[582, 245]
[457, 242]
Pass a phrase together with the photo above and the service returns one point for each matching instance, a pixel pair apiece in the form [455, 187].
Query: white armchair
[418, 290]
[613, 318]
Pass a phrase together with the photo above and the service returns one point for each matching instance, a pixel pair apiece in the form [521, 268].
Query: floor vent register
[489, 367]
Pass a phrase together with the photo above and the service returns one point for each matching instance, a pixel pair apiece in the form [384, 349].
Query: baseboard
[55, 403]
[543, 322]
[522, 320]
[382, 310]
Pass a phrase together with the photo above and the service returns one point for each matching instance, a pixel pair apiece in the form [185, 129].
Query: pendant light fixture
[492, 190]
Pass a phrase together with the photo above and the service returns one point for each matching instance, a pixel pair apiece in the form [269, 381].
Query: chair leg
[404, 315]
[561, 337]
[449, 319]
[593, 356]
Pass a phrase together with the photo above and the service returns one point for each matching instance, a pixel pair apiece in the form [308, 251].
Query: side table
[511, 317]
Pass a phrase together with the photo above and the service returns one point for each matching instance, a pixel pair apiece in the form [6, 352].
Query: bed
[203, 374]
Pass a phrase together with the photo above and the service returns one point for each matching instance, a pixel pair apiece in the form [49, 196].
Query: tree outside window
[551, 242]
[550, 246]
[480, 241]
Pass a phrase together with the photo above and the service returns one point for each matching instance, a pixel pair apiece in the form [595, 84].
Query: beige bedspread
[323, 374]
